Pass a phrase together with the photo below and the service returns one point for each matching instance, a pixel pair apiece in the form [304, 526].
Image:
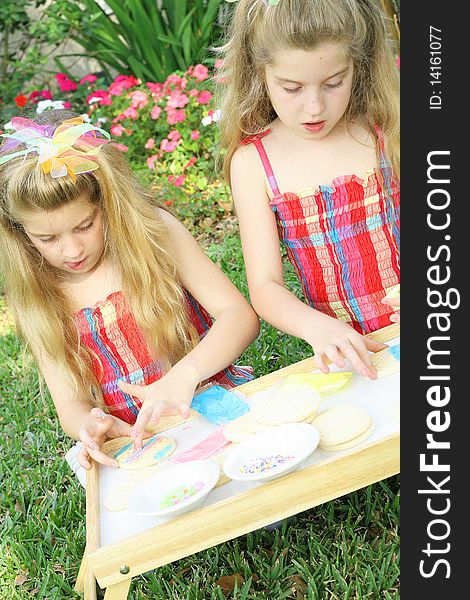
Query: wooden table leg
[118, 591]
[89, 593]
[86, 581]
[80, 582]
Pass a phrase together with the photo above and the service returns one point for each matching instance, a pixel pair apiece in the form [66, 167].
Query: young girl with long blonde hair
[310, 125]
[110, 291]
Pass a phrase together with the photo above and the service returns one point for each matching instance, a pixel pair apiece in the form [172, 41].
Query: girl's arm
[331, 339]
[235, 326]
[78, 418]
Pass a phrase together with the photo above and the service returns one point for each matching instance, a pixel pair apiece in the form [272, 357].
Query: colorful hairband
[70, 149]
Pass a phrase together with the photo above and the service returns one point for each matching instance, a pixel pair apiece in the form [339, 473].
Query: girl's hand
[395, 304]
[95, 432]
[334, 340]
[170, 395]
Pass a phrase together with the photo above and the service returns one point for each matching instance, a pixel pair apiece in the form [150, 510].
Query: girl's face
[310, 90]
[70, 238]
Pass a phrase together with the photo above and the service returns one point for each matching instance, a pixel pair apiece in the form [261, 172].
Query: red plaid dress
[342, 240]
[121, 354]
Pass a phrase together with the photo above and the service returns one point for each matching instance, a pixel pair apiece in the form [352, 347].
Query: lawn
[344, 549]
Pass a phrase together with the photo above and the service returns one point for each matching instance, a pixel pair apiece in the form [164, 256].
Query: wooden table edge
[207, 527]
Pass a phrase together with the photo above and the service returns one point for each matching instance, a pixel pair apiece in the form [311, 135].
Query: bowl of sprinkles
[175, 490]
[271, 453]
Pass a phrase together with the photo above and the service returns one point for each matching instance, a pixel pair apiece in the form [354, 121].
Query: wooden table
[114, 565]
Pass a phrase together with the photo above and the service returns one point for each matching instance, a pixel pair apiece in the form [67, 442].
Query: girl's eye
[332, 86]
[86, 227]
[46, 240]
[291, 90]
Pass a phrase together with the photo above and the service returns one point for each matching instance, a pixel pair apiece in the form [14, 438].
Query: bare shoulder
[245, 158]
[247, 176]
[173, 224]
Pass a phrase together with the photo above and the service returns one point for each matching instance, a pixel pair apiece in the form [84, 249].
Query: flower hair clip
[70, 149]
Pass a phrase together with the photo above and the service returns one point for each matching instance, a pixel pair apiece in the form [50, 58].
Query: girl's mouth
[76, 266]
[314, 127]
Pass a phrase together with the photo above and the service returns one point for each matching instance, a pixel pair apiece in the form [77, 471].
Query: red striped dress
[342, 240]
[121, 353]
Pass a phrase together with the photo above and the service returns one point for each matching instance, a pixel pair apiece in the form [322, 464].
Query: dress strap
[380, 137]
[256, 140]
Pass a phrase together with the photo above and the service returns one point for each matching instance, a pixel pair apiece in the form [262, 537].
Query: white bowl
[162, 494]
[272, 452]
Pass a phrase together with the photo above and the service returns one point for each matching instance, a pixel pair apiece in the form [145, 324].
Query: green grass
[344, 549]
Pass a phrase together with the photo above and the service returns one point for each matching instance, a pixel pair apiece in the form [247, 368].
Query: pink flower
[219, 63]
[200, 72]
[88, 79]
[121, 147]
[168, 202]
[171, 178]
[65, 84]
[67, 105]
[155, 88]
[179, 180]
[193, 92]
[151, 160]
[168, 146]
[121, 83]
[173, 79]
[117, 130]
[175, 116]
[177, 100]
[156, 112]
[36, 94]
[204, 97]
[138, 99]
[150, 143]
[131, 113]
[195, 135]
[100, 96]
[190, 163]
[174, 135]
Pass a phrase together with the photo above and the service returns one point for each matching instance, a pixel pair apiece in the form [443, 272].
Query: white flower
[86, 118]
[213, 118]
[8, 126]
[45, 104]
[102, 120]
[94, 99]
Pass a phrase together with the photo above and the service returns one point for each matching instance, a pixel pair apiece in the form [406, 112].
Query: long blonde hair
[256, 32]
[136, 241]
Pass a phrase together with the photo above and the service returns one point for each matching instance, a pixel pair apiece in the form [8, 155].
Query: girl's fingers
[335, 356]
[360, 359]
[87, 439]
[373, 345]
[138, 391]
[83, 458]
[320, 362]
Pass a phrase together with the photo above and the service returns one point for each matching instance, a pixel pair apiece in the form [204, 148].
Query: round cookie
[239, 429]
[387, 361]
[351, 443]
[154, 450]
[341, 424]
[117, 497]
[286, 403]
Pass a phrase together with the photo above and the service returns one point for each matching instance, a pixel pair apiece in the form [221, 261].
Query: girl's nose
[315, 105]
[72, 248]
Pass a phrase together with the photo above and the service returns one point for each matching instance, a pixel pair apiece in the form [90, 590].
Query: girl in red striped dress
[309, 100]
[111, 292]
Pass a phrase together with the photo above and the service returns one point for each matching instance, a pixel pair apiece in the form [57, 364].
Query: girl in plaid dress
[310, 100]
[110, 291]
